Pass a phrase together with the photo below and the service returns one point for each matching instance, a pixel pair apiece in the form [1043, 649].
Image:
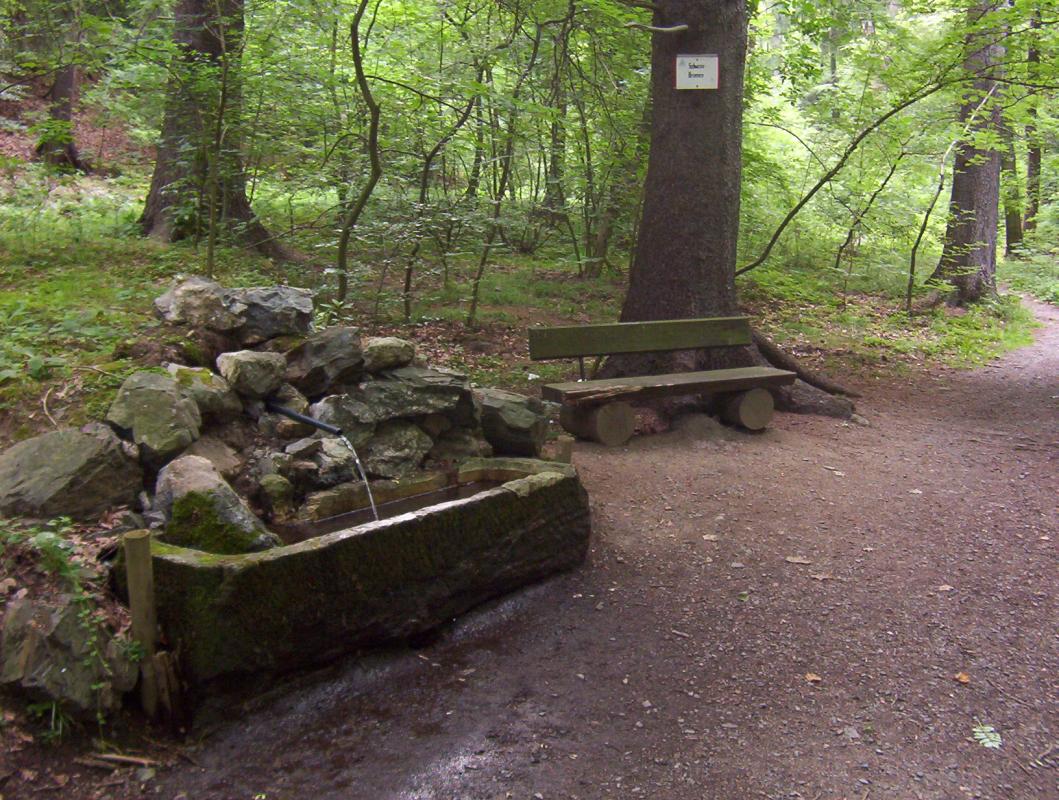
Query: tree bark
[206, 32]
[1012, 194]
[57, 147]
[968, 259]
[684, 262]
[1033, 138]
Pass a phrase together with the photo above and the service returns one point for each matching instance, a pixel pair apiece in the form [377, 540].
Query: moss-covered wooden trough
[304, 603]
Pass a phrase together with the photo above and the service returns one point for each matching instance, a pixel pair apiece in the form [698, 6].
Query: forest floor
[821, 611]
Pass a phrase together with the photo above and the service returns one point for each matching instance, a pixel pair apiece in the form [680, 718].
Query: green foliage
[55, 719]
[987, 736]
[1037, 275]
[555, 93]
[48, 543]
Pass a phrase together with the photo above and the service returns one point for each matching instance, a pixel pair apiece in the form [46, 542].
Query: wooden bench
[598, 409]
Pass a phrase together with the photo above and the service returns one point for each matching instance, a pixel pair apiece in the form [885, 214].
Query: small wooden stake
[140, 575]
[752, 409]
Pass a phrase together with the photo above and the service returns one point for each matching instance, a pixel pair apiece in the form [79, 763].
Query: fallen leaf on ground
[710, 537]
[822, 576]
[945, 588]
[812, 677]
[797, 560]
[962, 677]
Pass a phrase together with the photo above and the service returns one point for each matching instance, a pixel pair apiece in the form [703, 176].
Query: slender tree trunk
[351, 211]
[968, 259]
[57, 147]
[1033, 137]
[684, 263]
[1012, 194]
[209, 35]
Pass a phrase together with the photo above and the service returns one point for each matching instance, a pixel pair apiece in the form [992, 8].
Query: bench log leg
[752, 409]
[611, 424]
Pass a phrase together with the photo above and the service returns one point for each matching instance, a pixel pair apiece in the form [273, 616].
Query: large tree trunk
[57, 146]
[684, 264]
[196, 170]
[968, 259]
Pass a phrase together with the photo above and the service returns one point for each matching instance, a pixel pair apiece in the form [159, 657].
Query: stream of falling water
[363, 475]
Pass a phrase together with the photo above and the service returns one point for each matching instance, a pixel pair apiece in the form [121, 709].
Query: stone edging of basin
[305, 603]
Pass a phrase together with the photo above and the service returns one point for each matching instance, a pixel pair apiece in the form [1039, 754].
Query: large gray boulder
[68, 473]
[396, 450]
[270, 311]
[251, 373]
[152, 410]
[212, 393]
[199, 303]
[387, 352]
[249, 315]
[204, 512]
[334, 461]
[279, 426]
[411, 392]
[51, 652]
[514, 425]
[329, 358]
[460, 444]
[345, 412]
[226, 459]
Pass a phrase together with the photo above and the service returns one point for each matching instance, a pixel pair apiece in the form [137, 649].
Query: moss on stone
[195, 523]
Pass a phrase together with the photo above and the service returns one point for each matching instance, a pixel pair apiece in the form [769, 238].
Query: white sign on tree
[697, 72]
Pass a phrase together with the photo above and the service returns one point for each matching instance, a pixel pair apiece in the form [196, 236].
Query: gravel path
[772, 616]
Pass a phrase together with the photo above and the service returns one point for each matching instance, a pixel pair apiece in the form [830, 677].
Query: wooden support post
[612, 424]
[140, 575]
[752, 409]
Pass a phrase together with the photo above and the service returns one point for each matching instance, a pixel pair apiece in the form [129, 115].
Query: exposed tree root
[781, 360]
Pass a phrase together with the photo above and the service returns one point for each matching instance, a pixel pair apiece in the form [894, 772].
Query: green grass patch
[1036, 275]
[800, 308]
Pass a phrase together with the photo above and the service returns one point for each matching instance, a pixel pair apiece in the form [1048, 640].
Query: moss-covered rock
[211, 393]
[68, 472]
[277, 495]
[205, 513]
[252, 374]
[513, 424]
[397, 449]
[151, 409]
[387, 352]
[326, 359]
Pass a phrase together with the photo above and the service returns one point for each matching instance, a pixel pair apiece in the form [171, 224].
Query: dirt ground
[825, 610]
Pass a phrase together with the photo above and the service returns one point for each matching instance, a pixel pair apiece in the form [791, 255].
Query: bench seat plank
[713, 381]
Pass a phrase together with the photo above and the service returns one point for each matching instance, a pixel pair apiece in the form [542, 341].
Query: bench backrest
[573, 341]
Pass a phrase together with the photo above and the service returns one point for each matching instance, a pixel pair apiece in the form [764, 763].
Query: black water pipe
[276, 408]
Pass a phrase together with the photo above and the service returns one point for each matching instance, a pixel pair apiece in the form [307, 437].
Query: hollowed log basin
[500, 524]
